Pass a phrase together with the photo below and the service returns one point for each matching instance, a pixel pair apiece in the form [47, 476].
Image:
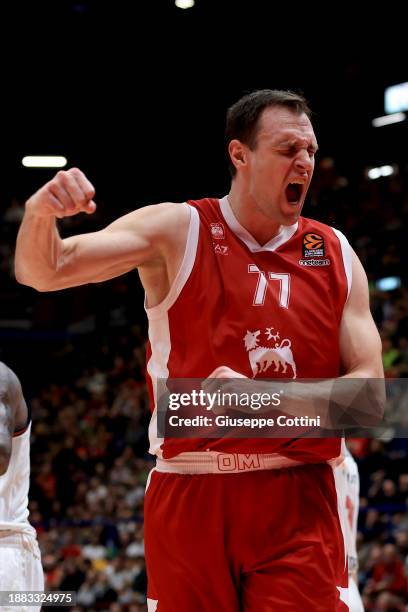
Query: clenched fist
[67, 194]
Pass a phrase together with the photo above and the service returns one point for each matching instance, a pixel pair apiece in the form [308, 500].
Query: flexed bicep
[133, 240]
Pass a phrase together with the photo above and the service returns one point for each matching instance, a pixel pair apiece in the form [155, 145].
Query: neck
[250, 216]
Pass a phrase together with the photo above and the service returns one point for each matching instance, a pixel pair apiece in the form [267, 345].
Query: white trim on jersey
[346, 253]
[159, 329]
[184, 271]
[284, 235]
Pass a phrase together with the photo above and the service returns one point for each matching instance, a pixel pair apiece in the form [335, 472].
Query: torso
[264, 311]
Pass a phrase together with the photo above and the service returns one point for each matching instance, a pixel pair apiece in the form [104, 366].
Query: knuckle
[81, 202]
[48, 189]
[82, 196]
[89, 193]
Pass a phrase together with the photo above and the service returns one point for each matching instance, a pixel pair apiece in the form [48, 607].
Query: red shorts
[263, 541]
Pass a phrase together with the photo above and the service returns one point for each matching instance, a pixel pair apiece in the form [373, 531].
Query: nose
[303, 161]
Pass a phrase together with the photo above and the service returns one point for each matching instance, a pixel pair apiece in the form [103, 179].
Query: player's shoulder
[173, 207]
[6, 373]
[168, 210]
[180, 208]
[7, 383]
[173, 211]
[171, 215]
[8, 379]
[154, 219]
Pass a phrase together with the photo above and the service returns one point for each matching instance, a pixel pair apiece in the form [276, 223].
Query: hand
[213, 384]
[225, 372]
[67, 194]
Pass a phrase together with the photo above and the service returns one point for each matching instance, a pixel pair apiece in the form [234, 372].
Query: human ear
[238, 153]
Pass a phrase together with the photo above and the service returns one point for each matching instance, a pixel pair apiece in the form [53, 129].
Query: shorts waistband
[212, 462]
[13, 539]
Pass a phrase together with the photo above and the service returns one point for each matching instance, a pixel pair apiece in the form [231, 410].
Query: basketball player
[241, 284]
[348, 472]
[20, 561]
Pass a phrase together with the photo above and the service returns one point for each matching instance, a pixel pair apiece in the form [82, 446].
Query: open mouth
[294, 192]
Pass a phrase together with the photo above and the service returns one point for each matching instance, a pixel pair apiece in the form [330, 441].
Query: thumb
[90, 208]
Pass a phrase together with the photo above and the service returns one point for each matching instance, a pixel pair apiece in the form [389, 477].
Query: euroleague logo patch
[313, 250]
[313, 245]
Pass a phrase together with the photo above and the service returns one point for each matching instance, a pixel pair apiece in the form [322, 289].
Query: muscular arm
[363, 398]
[360, 344]
[46, 262]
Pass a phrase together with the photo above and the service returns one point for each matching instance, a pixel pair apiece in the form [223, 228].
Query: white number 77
[260, 291]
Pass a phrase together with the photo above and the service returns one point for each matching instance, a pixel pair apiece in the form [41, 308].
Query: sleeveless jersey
[14, 486]
[266, 311]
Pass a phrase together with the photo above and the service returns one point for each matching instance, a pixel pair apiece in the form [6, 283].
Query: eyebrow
[293, 141]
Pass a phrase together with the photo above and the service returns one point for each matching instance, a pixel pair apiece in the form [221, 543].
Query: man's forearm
[344, 402]
[38, 250]
[338, 402]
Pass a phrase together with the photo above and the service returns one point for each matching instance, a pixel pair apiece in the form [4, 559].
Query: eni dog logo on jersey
[313, 251]
[273, 351]
[217, 231]
[313, 245]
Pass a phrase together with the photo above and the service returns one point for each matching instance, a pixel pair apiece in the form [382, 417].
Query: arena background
[135, 95]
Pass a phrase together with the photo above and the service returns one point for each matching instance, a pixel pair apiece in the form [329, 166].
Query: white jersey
[20, 557]
[14, 486]
[349, 473]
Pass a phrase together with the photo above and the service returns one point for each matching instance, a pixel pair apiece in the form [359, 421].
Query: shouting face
[278, 169]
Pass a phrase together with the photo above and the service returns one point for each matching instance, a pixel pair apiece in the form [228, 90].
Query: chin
[290, 216]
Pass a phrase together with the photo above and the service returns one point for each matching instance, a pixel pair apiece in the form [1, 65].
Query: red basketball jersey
[265, 311]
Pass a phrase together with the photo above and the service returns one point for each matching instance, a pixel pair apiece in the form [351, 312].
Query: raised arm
[46, 262]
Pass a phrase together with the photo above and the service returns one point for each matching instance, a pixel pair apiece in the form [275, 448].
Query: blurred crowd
[80, 356]
[89, 471]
